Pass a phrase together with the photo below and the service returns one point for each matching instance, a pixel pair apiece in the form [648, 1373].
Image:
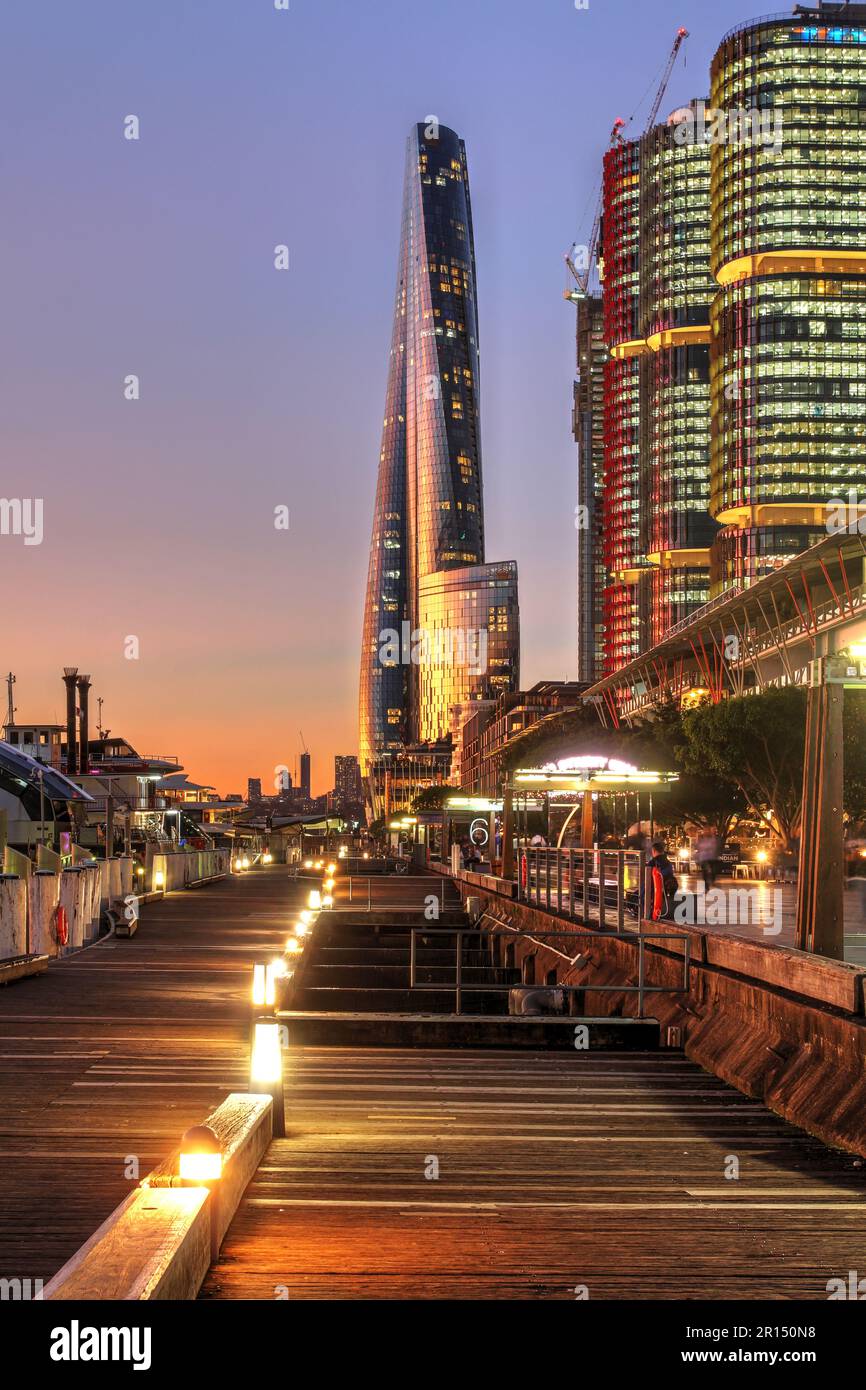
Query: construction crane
[581, 274]
[669, 67]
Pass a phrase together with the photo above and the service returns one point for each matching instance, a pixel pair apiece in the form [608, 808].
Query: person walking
[707, 857]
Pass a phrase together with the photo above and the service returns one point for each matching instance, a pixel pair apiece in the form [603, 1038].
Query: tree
[701, 797]
[431, 798]
[756, 742]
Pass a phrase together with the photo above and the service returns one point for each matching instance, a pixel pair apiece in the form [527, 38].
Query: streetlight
[201, 1164]
[266, 1070]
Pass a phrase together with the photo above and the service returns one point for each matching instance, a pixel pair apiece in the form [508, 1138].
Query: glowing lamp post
[265, 976]
[201, 1165]
[266, 1070]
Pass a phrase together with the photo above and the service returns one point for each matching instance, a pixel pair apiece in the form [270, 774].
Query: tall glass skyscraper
[788, 250]
[429, 516]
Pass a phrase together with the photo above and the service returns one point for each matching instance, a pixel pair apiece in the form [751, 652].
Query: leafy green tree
[757, 742]
[702, 796]
[432, 798]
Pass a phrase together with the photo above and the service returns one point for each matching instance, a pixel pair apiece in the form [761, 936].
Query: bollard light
[308, 863]
[201, 1157]
[300, 929]
[331, 869]
[266, 1070]
[307, 916]
[327, 901]
[245, 863]
[264, 991]
[201, 1163]
[159, 879]
[293, 946]
[267, 859]
[328, 885]
[239, 864]
[366, 855]
[320, 863]
[315, 899]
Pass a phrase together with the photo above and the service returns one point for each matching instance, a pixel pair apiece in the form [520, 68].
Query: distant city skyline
[262, 388]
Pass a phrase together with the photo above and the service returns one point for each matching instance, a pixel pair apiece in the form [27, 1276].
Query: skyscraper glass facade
[428, 515]
[619, 266]
[471, 625]
[588, 429]
[675, 293]
[788, 249]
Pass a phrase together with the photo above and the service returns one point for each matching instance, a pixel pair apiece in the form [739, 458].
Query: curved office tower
[618, 268]
[788, 250]
[471, 624]
[676, 288]
[428, 514]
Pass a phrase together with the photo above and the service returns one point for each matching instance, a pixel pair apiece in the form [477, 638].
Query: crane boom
[581, 274]
[666, 77]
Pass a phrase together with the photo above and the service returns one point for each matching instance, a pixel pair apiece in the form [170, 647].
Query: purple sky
[261, 388]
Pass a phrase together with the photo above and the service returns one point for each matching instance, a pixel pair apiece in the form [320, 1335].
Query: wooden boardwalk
[555, 1171]
[599, 1170]
[111, 1055]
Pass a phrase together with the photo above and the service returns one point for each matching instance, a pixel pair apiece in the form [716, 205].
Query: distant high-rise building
[619, 252]
[347, 778]
[427, 547]
[588, 429]
[254, 789]
[305, 774]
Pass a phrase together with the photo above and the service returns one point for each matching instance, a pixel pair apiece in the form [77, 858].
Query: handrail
[641, 988]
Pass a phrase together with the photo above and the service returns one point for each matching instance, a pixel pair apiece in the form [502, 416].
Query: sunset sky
[262, 388]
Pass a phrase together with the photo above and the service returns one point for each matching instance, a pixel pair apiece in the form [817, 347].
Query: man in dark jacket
[658, 859]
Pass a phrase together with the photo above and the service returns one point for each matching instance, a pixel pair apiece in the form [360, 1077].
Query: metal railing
[361, 888]
[458, 934]
[603, 885]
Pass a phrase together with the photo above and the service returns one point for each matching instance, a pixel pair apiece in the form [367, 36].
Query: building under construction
[731, 251]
